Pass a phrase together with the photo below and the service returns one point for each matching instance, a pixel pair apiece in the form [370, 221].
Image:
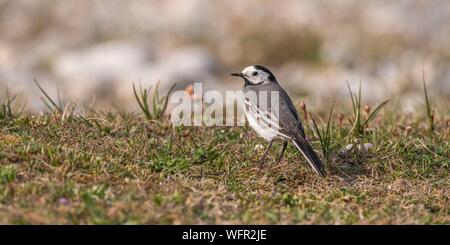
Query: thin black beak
[237, 74]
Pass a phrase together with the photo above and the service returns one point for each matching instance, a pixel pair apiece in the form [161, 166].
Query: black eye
[255, 73]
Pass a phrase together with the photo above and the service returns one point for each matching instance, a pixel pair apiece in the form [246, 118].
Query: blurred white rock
[103, 62]
[112, 68]
[361, 147]
[102, 47]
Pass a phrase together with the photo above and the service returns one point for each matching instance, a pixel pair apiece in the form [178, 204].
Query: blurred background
[313, 47]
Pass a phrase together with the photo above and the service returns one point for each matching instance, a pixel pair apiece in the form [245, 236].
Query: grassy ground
[119, 168]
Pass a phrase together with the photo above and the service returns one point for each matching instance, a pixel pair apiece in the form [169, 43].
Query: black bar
[280, 233]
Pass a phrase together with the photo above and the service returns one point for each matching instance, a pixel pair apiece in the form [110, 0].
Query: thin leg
[285, 143]
[263, 158]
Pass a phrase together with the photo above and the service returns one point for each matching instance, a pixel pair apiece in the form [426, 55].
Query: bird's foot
[279, 159]
[261, 163]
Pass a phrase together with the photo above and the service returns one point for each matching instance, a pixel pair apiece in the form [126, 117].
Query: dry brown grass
[70, 172]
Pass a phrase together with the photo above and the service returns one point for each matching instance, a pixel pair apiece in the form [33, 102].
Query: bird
[272, 123]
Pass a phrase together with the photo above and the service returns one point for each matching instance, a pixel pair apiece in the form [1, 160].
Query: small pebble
[367, 146]
[259, 147]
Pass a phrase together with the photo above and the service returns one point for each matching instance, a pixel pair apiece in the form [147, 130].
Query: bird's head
[256, 75]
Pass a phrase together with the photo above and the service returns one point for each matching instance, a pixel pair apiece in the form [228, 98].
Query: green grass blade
[60, 110]
[142, 104]
[166, 99]
[427, 100]
[156, 110]
[374, 113]
[352, 98]
[321, 139]
[428, 105]
[328, 133]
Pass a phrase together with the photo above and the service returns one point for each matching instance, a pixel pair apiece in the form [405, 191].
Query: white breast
[266, 127]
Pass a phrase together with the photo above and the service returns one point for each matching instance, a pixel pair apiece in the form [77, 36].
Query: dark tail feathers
[310, 155]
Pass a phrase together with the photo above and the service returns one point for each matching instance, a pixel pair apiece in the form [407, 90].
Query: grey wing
[287, 117]
[265, 118]
[290, 119]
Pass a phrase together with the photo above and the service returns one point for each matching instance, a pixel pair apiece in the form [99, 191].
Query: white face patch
[256, 76]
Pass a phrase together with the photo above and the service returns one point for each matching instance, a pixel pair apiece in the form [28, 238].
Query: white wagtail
[284, 125]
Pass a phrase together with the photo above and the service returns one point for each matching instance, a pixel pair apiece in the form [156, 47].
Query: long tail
[305, 148]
